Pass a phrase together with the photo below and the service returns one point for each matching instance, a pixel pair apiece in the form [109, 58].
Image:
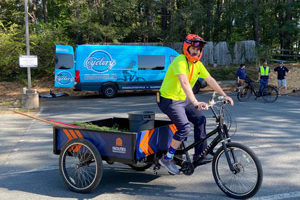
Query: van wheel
[109, 90]
[196, 87]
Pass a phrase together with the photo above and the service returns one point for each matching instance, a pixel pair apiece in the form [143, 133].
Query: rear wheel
[140, 166]
[269, 94]
[80, 165]
[244, 94]
[246, 178]
[109, 90]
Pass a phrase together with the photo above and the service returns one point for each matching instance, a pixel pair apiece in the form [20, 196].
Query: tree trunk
[256, 23]
[45, 11]
[164, 13]
[286, 34]
[207, 29]
[34, 11]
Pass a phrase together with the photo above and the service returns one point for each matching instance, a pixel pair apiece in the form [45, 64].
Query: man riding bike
[179, 103]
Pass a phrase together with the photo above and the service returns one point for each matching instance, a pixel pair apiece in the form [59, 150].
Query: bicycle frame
[222, 137]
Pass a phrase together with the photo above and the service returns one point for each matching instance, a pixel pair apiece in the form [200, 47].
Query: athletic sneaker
[170, 165]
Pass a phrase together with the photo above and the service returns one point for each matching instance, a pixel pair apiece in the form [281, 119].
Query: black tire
[249, 171]
[196, 87]
[80, 165]
[269, 94]
[140, 166]
[244, 94]
[109, 90]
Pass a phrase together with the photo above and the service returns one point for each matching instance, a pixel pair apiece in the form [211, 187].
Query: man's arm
[215, 86]
[189, 92]
[288, 73]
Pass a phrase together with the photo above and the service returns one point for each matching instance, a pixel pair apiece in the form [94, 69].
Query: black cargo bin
[141, 120]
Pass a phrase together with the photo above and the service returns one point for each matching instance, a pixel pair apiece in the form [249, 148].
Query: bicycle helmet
[196, 41]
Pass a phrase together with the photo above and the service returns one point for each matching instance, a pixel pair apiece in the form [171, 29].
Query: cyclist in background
[179, 103]
[263, 76]
[241, 76]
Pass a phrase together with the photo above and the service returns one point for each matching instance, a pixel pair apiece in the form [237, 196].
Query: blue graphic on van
[64, 77]
[99, 61]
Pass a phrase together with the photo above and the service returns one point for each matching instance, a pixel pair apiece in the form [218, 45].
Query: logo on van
[64, 78]
[99, 61]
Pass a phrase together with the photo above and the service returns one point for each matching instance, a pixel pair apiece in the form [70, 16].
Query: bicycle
[131, 78]
[236, 169]
[268, 93]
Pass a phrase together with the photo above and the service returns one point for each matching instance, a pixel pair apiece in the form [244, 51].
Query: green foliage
[11, 46]
[88, 125]
[115, 21]
[223, 73]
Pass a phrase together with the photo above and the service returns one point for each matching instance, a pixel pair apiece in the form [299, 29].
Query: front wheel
[244, 94]
[269, 94]
[246, 178]
[80, 165]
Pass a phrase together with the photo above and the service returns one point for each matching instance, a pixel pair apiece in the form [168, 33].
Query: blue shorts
[282, 82]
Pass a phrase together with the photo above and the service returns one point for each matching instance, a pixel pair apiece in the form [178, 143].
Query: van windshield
[151, 62]
[63, 61]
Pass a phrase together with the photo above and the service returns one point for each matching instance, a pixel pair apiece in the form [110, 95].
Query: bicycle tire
[80, 165]
[269, 94]
[244, 94]
[234, 184]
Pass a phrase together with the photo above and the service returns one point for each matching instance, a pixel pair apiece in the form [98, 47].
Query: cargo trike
[236, 169]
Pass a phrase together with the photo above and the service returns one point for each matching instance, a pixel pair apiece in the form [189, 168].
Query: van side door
[64, 75]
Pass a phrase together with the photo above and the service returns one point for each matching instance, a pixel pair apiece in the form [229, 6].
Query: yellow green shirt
[171, 87]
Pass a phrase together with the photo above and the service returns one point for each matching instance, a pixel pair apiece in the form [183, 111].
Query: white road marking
[261, 146]
[288, 195]
[30, 171]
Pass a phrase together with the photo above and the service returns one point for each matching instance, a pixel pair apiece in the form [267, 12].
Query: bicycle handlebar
[221, 99]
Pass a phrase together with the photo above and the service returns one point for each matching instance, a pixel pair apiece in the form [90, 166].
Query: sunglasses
[194, 44]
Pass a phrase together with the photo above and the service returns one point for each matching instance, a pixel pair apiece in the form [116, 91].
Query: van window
[151, 62]
[63, 61]
[172, 58]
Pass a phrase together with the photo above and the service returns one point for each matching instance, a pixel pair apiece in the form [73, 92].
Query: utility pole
[27, 44]
[30, 100]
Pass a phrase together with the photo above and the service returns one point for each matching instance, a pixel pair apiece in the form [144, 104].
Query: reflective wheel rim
[244, 180]
[80, 168]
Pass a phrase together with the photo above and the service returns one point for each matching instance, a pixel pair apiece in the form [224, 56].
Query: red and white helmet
[196, 41]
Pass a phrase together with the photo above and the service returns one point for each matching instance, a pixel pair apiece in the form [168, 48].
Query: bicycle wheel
[80, 165]
[269, 94]
[244, 94]
[247, 178]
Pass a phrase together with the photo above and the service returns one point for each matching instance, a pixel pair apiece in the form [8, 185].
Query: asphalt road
[29, 169]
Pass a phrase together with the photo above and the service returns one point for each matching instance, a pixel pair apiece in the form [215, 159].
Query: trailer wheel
[140, 166]
[109, 90]
[80, 165]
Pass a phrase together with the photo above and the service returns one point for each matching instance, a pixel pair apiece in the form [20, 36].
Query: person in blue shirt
[241, 75]
[281, 77]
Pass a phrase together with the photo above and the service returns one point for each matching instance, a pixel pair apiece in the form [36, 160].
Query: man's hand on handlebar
[230, 100]
[201, 105]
